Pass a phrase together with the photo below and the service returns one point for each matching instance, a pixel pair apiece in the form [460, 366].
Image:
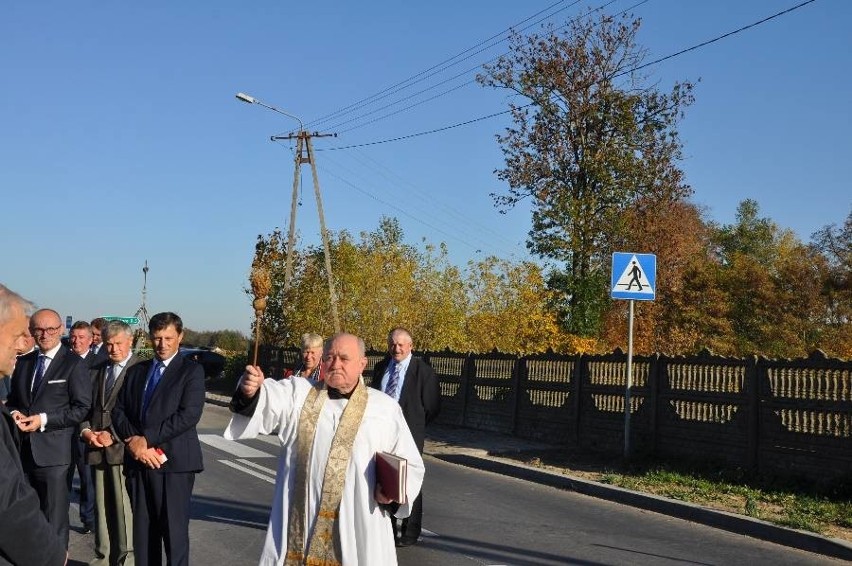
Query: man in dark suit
[25, 535]
[51, 394]
[97, 347]
[80, 342]
[156, 415]
[105, 451]
[413, 384]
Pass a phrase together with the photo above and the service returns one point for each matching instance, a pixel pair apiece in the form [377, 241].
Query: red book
[392, 473]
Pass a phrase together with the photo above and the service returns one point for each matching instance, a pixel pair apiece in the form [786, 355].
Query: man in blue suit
[51, 394]
[156, 415]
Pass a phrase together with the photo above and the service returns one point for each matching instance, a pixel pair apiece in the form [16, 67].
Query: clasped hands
[139, 449]
[98, 438]
[25, 423]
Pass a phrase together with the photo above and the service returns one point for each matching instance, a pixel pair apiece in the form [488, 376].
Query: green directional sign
[125, 319]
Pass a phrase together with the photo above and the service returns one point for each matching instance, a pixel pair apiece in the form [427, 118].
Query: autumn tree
[835, 245]
[381, 282]
[271, 251]
[510, 310]
[772, 284]
[689, 311]
[590, 141]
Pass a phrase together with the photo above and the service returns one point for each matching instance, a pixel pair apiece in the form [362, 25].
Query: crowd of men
[128, 428]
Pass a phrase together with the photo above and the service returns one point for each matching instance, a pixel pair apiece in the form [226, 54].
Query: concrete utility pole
[304, 154]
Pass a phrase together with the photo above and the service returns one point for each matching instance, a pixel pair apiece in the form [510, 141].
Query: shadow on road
[216, 510]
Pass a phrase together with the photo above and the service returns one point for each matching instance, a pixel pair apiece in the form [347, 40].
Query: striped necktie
[393, 380]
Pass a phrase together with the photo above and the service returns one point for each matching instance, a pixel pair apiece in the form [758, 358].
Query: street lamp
[303, 140]
[252, 100]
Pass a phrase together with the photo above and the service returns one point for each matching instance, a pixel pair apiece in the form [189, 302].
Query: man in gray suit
[105, 451]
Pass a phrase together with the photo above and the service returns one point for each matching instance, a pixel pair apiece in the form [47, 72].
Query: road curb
[221, 400]
[739, 524]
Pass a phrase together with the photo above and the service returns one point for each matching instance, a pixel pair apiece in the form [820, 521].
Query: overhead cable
[656, 61]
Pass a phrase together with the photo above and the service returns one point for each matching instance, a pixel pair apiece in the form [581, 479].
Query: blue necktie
[393, 380]
[39, 373]
[153, 380]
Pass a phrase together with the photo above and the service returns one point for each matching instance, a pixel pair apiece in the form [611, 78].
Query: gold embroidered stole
[324, 547]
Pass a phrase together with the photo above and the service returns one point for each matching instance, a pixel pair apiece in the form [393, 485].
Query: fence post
[752, 386]
[518, 383]
[576, 392]
[466, 385]
[655, 372]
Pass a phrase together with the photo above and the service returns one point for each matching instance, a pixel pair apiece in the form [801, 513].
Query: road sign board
[126, 319]
[634, 276]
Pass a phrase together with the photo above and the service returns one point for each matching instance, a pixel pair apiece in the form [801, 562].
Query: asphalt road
[471, 518]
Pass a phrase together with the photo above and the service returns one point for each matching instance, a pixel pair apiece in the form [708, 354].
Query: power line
[461, 219]
[719, 38]
[465, 239]
[435, 69]
[418, 134]
[436, 85]
[657, 61]
[398, 209]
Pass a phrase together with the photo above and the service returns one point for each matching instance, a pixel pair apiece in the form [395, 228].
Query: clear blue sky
[122, 140]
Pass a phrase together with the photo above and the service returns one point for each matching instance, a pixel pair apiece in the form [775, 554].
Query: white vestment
[365, 530]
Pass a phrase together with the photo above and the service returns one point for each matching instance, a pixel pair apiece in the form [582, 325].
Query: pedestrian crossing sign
[634, 276]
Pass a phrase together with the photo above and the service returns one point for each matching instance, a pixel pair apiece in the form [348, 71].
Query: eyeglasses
[50, 331]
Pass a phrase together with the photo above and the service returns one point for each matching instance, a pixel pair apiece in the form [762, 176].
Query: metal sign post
[629, 385]
[634, 277]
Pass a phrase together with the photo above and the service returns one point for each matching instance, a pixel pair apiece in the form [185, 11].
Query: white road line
[264, 469]
[248, 471]
[232, 447]
[427, 533]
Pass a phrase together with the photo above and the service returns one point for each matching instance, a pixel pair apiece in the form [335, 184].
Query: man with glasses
[51, 394]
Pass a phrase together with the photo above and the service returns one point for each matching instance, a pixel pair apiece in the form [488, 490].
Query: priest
[327, 507]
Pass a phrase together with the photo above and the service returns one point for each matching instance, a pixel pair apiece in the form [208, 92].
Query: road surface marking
[232, 447]
[248, 471]
[258, 467]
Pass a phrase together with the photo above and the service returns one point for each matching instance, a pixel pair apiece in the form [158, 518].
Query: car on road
[212, 362]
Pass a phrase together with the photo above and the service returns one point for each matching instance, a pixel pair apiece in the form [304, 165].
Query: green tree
[772, 285]
[593, 141]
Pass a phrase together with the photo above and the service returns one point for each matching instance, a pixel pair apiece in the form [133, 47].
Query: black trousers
[160, 503]
[411, 526]
[51, 485]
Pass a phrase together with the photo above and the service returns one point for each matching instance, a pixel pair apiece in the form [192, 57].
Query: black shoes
[86, 529]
